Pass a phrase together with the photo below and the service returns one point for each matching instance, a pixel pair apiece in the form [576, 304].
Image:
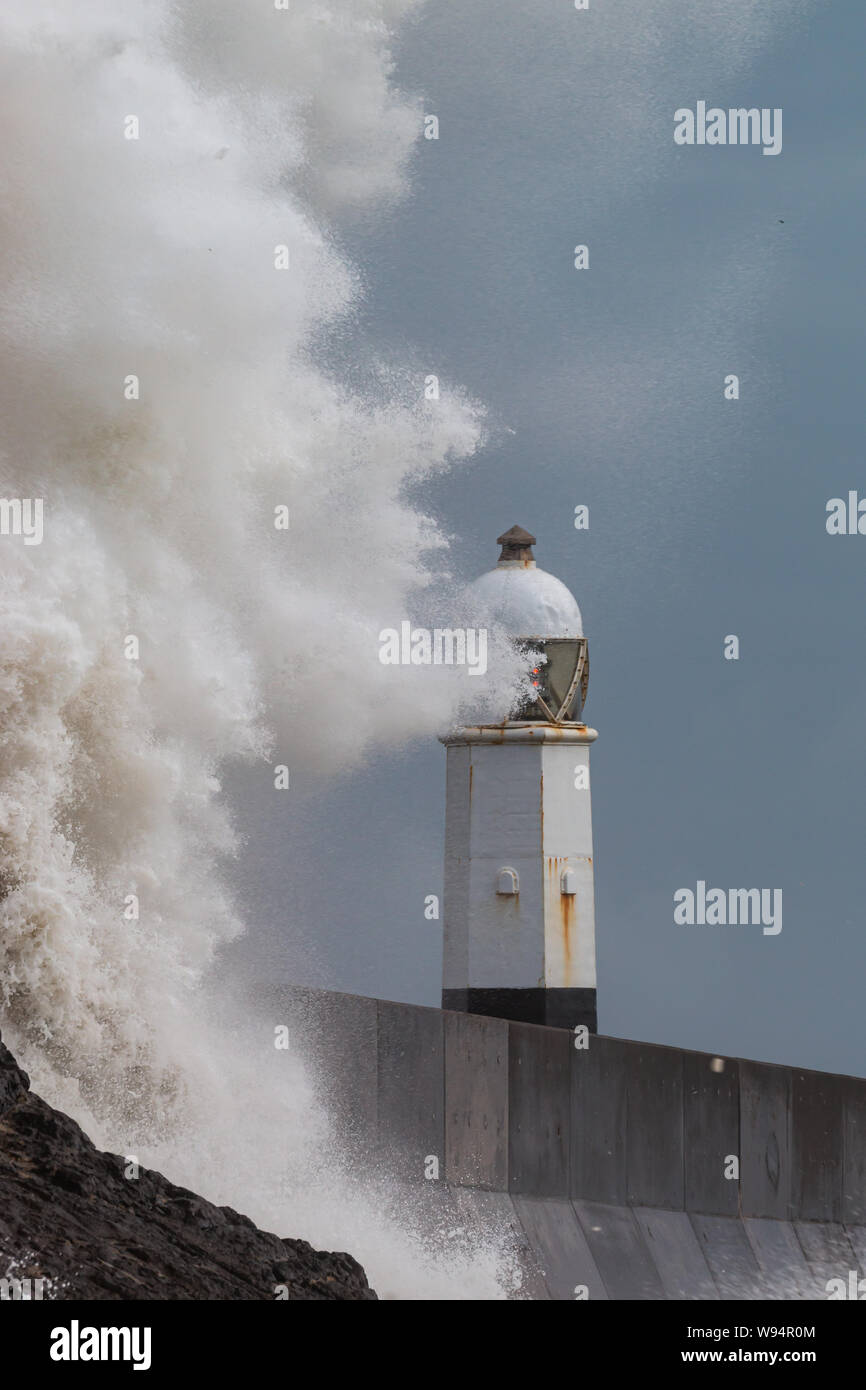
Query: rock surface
[70, 1217]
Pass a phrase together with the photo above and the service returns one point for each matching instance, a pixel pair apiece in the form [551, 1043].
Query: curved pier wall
[514, 1107]
[607, 1165]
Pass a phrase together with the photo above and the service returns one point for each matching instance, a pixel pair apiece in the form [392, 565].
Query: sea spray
[163, 278]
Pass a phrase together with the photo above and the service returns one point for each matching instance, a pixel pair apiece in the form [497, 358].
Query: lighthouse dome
[525, 600]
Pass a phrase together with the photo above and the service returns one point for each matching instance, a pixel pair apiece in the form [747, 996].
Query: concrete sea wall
[608, 1162]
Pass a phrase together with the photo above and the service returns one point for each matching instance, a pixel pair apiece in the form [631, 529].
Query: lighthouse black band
[556, 1008]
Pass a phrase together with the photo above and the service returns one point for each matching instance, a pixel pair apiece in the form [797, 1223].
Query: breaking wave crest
[160, 394]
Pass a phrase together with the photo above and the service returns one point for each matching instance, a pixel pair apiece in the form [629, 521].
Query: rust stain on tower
[554, 868]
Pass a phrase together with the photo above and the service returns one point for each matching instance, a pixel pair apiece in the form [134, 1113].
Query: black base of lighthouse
[555, 1008]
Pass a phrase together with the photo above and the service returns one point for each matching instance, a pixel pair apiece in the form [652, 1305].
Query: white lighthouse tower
[519, 908]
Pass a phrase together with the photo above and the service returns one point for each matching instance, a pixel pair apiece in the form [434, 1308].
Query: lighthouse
[519, 901]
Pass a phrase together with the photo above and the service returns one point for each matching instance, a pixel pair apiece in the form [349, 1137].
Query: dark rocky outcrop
[69, 1216]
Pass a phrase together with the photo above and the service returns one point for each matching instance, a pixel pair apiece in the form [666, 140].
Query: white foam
[155, 257]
